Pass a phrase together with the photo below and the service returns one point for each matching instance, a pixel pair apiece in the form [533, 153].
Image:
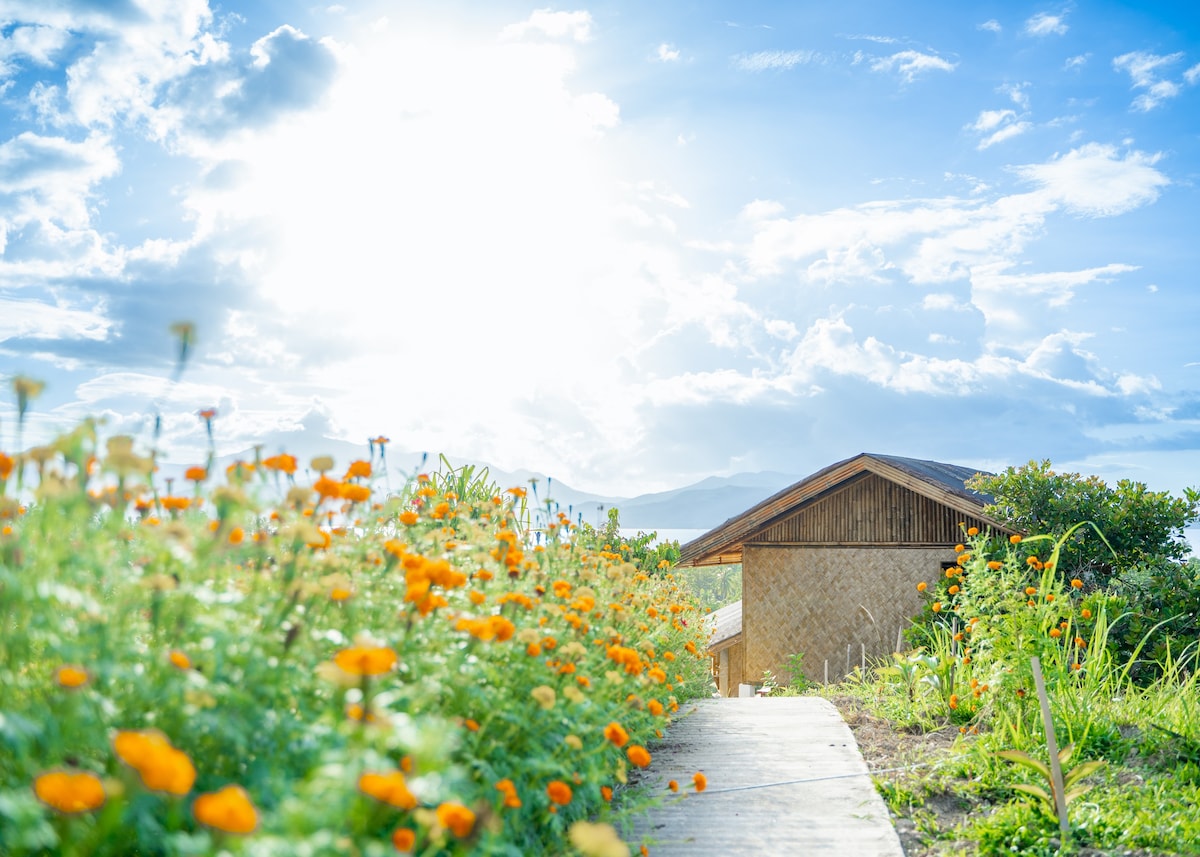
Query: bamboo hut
[830, 565]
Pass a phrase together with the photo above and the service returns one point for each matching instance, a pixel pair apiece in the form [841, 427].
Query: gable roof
[726, 624]
[944, 483]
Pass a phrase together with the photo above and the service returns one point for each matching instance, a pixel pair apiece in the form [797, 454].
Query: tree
[1141, 527]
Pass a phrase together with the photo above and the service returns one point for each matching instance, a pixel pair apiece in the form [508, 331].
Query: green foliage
[713, 586]
[644, 550]
[289, 648]
[1139, 526]
[1073, 786]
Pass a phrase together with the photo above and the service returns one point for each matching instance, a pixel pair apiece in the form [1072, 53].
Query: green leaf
[1080, 771]
[1027, 761]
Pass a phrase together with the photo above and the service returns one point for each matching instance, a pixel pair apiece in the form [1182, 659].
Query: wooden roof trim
[721, 544]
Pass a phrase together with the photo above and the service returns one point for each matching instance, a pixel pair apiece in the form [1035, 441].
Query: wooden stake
[1060, 796]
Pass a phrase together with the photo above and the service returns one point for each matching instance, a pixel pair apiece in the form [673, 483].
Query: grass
[943, 713]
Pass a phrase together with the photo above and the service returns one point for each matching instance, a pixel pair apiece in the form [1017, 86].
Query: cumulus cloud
[991, 25]
[768, 60]
[576, 26]
[1046, 24]
[1076, 62]
[667, 53]
[911, 64]
[1095, 180]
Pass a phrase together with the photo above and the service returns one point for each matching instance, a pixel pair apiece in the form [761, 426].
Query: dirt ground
[908, 760]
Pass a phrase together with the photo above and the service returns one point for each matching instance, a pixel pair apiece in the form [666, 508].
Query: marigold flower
[69, 792]
[283, 463]
[6, 466]
[953, 590]
[616, 734]
[161, 767]
[954, 700]
[1055, 632]
[1014, 539]
[972, 531]
[700, 781]
[403, 840]
[196, 474]
[936, 607]
[606, 793]
[366, 660]
[1030, 590]
[656, 707]
[355, 493]
[673, 785]
[340, 593]
[71, 677]
[544, 696]
[456, 818]
[597, 840]
[638, 755]
[506, 788]
[179, 659]
[390, 788]
[1085, 613]
[995, 564]
[1076, 583]
[559, 792]
[358, 468]
[922, 586]
[229, 809]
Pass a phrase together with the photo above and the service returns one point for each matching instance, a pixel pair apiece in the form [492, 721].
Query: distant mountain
[701, 506]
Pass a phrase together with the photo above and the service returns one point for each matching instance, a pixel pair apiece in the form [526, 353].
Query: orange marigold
[616, 733]
[700, 781]
[403, 840]
[71, 677]
[638, 755]
[180, 660]
[161, 767]
[559, 792]
[390, 788]
[229, 809]
[509, 790]
[456, 818]
[69, 792]
[366, 660]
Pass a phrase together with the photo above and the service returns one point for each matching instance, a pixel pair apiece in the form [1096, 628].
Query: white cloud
[1192, 74]
[767, 60]
[1077, 61]
[910, 64]
[991, 119]
[555, 25]
[60, 320]
[667, 53]
[1046, 24]
[991, 25]
[1143, 68]
[1095, 180]
[1016, 92]
[1009, 131]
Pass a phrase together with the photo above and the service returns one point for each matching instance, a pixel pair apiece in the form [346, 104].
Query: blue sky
[629, 245]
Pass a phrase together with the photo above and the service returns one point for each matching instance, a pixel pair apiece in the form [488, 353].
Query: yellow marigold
[1055, 632]
[366, 660]
[995, 564]
[180, 660]
[699, 781]
[340, 593]
[954, 700]
[69, 792]
[616, 734]
[544, 696]
[638, 755]
[936, 607]
[403, 840]
[922, 586]
[597, 840]
[229, 809]
[1014, 539]
[559, 792]
[390, 788]
[972, 531]
[71, 677]
[161, 767]
[1076, 583]
[456, 818]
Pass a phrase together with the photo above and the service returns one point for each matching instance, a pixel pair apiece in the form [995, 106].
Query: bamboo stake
[1060, 797]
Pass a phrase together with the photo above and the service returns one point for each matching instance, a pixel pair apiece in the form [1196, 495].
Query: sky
[627, 245]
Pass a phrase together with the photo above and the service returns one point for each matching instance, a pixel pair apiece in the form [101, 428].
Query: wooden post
[863, 664]
[1060, 797]
[847, 659]
[827, 670]
[899, 639]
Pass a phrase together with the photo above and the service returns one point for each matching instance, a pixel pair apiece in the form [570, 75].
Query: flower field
[290, 660]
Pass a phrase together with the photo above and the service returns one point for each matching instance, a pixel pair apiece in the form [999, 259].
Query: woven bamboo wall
[817, 600]
[873, 510]
[736, 672]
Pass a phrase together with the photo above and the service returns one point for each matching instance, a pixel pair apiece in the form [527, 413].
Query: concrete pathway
[777, 784]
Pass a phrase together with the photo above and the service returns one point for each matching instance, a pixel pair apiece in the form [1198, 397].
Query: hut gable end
[868, 510]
